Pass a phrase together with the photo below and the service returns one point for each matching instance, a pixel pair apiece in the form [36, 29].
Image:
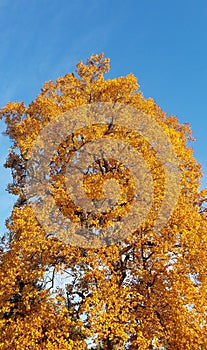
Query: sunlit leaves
[143, 292]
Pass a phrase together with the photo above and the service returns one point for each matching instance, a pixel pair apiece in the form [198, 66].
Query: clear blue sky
[163, 42]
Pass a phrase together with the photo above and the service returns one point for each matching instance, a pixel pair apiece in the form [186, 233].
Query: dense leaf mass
[146, 291]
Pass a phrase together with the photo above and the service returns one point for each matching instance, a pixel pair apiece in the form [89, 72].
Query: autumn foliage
[145, 291]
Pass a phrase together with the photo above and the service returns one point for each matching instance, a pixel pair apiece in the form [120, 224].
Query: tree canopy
[142, 289]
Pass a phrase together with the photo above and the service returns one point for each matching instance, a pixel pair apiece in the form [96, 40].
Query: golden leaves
[147, 289]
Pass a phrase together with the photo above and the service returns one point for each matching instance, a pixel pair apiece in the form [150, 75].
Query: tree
[142, 290]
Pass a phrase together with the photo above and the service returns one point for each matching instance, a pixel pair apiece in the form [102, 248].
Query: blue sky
[164, 43]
